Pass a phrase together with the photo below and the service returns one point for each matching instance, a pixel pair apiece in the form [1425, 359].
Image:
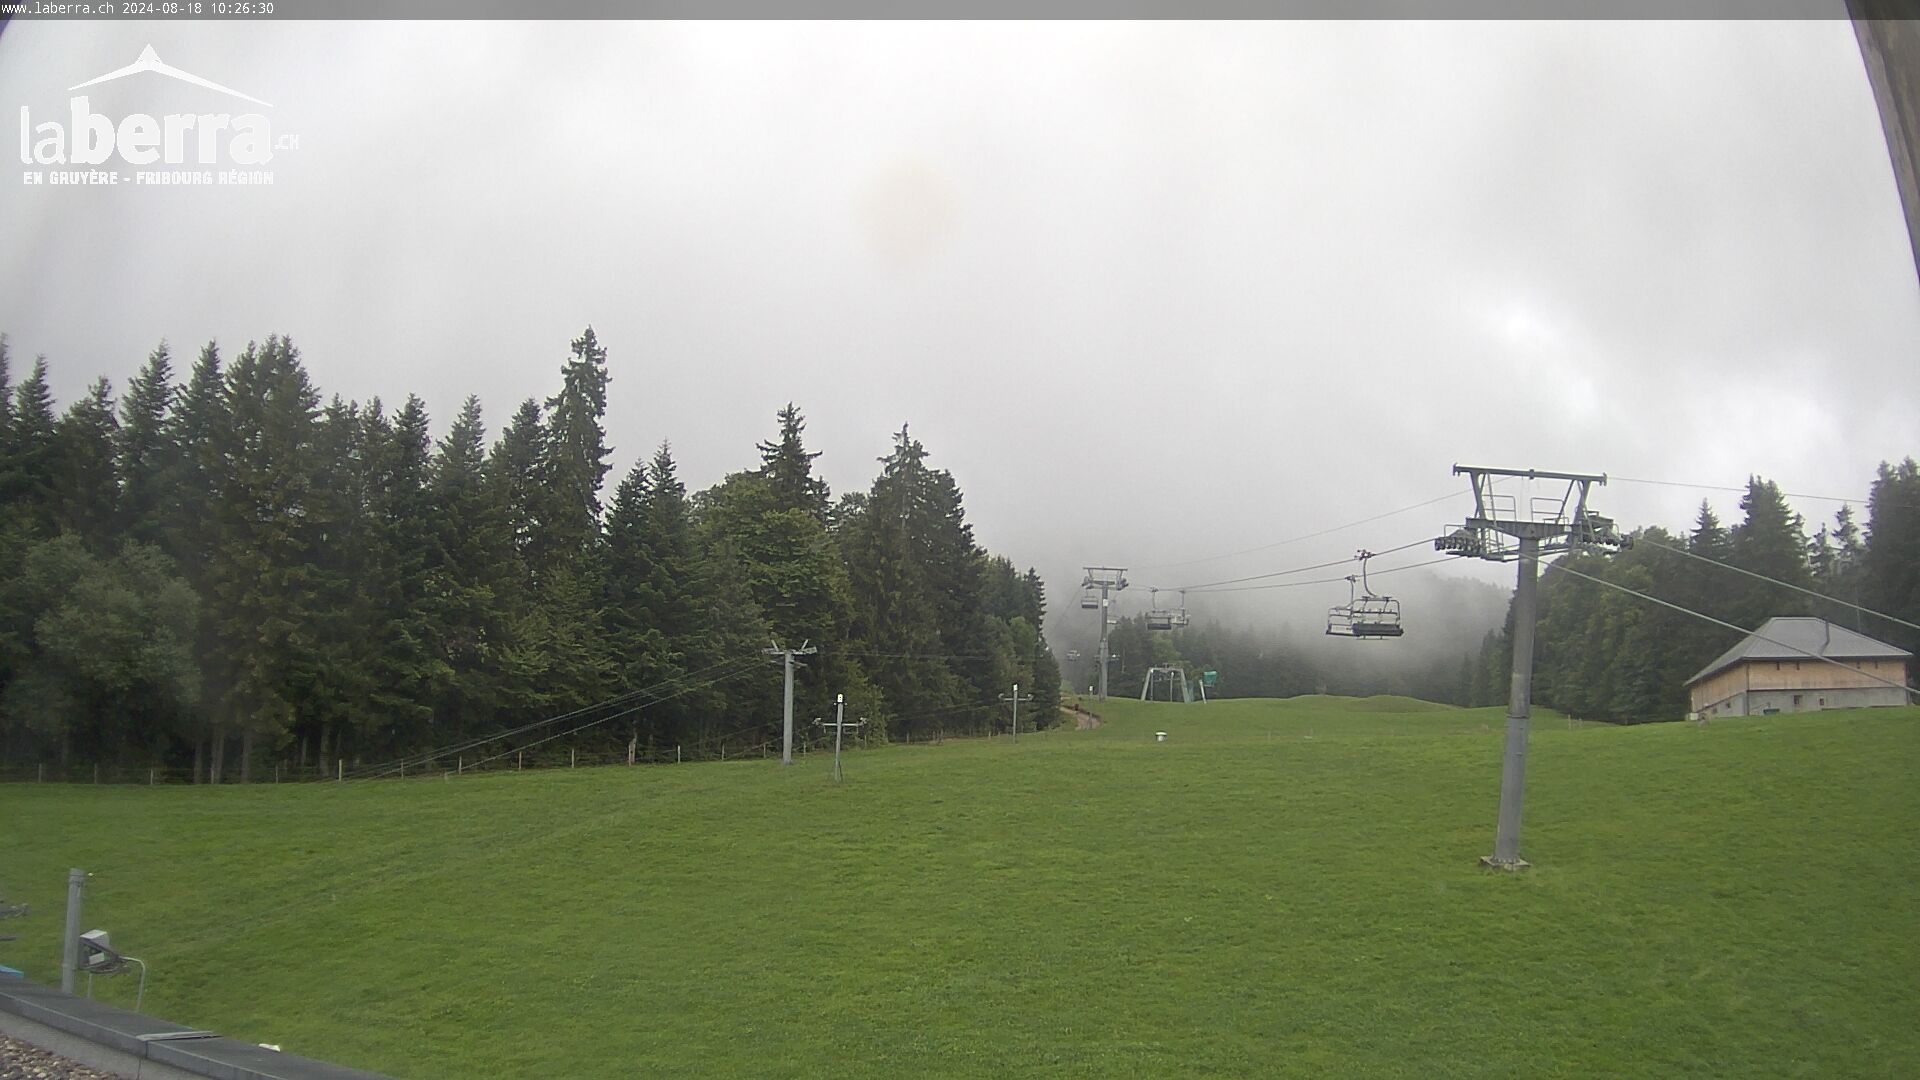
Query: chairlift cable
[1561, 567]
[1304, 536]
[369, 772]
[1642, 538]
[1740, 490]
[1331, 580]
[1298, 570]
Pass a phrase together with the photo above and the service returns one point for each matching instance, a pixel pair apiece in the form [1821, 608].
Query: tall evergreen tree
[515, 476]
[263, 567]
[787, 466]
[662, 601]
[791, 569]
[1893, 549]
[6, 408]
[29, 480]
[1846, 577]
[576, 451]
[471, 567]
[87, 495]
[147, 448]
[1709, 538]
[1769, 542]
[338, 682]
[193, 492]
[400, 626]
[916, 581]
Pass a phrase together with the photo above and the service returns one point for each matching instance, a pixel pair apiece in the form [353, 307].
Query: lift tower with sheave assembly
[1096, 594]
[1502, 530]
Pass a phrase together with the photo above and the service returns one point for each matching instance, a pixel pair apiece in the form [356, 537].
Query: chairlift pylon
[1364, 615]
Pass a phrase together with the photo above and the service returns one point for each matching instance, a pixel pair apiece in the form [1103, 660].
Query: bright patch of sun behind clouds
[908, 213]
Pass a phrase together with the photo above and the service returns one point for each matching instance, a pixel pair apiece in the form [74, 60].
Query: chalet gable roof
[1794, 637]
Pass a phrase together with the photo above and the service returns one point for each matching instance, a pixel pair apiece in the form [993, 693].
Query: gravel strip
[25, 1061]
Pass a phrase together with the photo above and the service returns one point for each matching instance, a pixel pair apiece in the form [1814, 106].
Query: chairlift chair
[1376, 617]
[1166, 618]
[1364, 615]
[1158, 618]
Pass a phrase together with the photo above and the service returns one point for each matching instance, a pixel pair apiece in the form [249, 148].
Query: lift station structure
[1175, 680]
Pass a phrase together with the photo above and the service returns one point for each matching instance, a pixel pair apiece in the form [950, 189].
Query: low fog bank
[1273, 642]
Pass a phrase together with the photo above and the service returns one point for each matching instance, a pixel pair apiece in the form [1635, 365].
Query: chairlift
[1364, 615]
[1159, 618]
[1089, 598]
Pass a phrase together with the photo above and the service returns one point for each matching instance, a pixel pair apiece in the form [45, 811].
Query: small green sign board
[1210, 678]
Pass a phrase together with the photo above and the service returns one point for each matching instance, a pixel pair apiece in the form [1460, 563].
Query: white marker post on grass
[839, 726]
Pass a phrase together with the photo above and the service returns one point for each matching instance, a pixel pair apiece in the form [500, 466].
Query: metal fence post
[70, 944]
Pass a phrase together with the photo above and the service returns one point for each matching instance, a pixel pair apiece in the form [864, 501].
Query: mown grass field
[1281, 889]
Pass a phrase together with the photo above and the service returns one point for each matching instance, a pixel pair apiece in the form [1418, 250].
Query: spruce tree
[6, 414]
[637, 642]
[263, 567]
[87, 489]
[147, 449]
[27, 487]
[193, 493]
[340, 673]
[1709, 538]
[1769, 542]
[576, 452]
[910, 568]
[677, 608]
[401, 658]
[515, 476]
[1847, 577]
[788, 468]
[793, 575]
[471, 570]
[1892, 569]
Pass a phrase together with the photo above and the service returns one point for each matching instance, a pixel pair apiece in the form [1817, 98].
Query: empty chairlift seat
[1364, 615]
[1166, 618]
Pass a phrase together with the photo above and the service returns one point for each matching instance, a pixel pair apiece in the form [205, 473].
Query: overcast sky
[1151, 292]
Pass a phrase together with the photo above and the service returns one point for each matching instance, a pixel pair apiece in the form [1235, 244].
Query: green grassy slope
[1282, 888]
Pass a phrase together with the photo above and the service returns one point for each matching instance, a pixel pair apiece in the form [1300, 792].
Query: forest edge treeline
[230, 571]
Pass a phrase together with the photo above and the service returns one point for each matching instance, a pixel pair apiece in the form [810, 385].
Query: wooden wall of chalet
[1806, 674]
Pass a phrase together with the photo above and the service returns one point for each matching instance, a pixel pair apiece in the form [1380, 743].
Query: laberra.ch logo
[175, 148]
